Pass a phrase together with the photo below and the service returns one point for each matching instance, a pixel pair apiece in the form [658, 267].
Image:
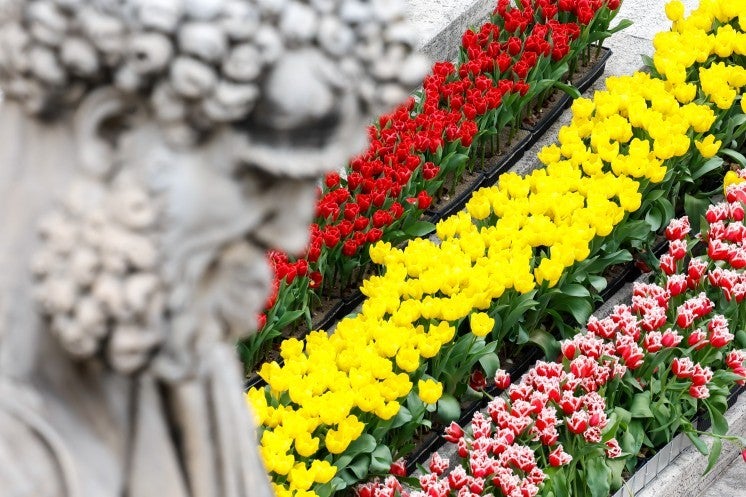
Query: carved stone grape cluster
[201, 62]
[96, 274]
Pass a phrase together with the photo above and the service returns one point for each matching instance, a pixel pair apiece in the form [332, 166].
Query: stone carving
[99, 283]
[161, 147]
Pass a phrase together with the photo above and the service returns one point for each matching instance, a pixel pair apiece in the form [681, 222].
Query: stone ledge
[440, 23]
[683, 478]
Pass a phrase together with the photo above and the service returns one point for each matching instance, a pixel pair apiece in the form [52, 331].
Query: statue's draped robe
[71, 429]
[114, 437]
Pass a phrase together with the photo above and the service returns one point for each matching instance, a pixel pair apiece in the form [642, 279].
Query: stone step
[440, 23]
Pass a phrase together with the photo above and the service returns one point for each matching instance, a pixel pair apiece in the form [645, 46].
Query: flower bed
[505, 70]
[526, 250]
[632, 381]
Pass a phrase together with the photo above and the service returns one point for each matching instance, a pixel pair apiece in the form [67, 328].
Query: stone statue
[152, 151]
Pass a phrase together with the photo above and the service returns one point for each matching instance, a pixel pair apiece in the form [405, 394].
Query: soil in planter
[555, 98]
[506, 146]
[453, 197]
[616, 276]
[582, 68]
[510, 153]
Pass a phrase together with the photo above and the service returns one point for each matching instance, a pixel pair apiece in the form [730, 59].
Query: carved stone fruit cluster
[96, 274]
[201, 62]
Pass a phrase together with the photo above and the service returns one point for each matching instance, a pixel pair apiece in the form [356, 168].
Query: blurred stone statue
[151, 152]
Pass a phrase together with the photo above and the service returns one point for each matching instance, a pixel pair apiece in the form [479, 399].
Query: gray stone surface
[440, 23]
[649, 17]
[732, 482]
[684, 477]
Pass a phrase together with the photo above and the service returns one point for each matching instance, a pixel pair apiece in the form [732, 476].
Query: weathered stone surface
[150, 152]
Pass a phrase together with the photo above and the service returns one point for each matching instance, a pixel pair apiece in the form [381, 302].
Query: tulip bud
[453, 432]
[502, 379]
[398, 468]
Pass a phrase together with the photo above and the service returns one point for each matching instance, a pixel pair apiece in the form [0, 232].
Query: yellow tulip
[481, 324]
[323, 471]
[429, 391]
[675, 10]
[708, 147]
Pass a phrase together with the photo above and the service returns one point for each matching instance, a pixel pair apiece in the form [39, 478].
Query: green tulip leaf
[597, 282]
[617, 467]
[736, 156]
[365, 444]
[557, 478]
[518, 309]
[654, 218]
[717, 447]
[741, 338]
[381, 460]
[575, 290]
[640, 407]
[625, 417]
[695, 208]
[546, 341]
[597, 476]
[569, 89]
[490, 363]
[578, 307]
[698, 443]
[710, 165]
[719, 423]
[360, 466]
[348, 477]
[449, 408]
[338, 483]
[403, 417]
[419, 229]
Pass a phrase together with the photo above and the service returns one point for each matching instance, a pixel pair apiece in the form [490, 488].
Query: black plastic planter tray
[349, 304]
[630, 273]
[457, 202]
[499, 165]
[331, 316]
[548, 117]
[430, 443]
[734, 394]
[595, 72]
[253, 381]
[551, 114]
